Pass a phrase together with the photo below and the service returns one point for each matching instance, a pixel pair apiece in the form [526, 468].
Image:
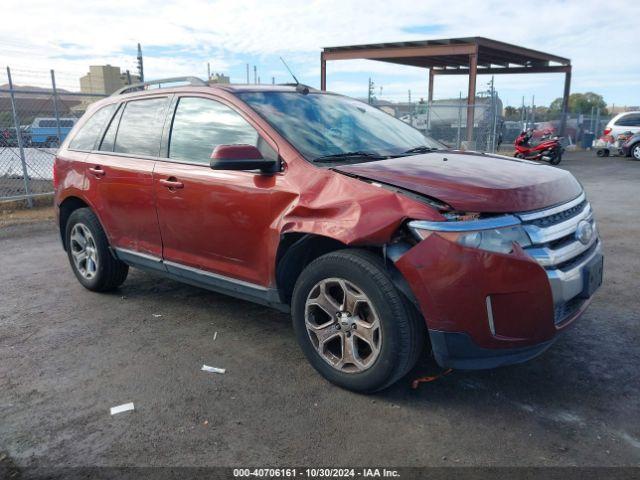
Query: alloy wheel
[343, 325]
[636, 152]
[83, 251]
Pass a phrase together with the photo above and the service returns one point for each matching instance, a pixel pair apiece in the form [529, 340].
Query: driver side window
[201, 124]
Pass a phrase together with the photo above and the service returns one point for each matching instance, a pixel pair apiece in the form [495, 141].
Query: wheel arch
[66, 208]
[297, 250]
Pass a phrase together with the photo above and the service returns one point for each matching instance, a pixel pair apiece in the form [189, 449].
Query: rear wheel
[88, 250]
[354, 326]
[556, 156]
[635, 151]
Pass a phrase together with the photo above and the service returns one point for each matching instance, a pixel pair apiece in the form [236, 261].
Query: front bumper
[486, 309]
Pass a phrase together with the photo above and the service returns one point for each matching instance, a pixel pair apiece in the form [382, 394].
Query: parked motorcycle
[547, 150]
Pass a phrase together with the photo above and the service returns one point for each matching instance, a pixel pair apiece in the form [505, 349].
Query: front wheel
[635, 151]
[88, 249]
[355, 328]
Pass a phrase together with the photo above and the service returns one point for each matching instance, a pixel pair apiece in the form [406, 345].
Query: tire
[99, 271]
[400, 329]
[635, 151]
[557, 157]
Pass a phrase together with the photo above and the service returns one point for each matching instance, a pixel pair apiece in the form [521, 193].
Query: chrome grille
[553, 233]
[554, 245]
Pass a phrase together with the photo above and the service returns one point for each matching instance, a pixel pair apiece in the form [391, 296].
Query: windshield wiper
[357, 154]
[421, 149]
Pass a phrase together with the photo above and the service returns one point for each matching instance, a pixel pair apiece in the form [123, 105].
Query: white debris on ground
[121, 408]
[207, 368]
[157, 315]
[215, 335]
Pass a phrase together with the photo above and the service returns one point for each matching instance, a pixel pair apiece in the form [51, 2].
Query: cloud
[181, 36]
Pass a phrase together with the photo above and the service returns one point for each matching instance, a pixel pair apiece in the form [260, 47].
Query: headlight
[493, 234]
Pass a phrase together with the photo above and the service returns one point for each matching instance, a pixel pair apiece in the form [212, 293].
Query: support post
[55, 106]
[431, 79]
[16, 124]
[565, 101]
[458, 137]
[471, 98]
[323, 72]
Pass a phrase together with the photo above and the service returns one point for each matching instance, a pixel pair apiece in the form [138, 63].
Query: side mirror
[240, 157]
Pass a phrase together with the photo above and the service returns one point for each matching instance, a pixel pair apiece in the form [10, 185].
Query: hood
[474, 182]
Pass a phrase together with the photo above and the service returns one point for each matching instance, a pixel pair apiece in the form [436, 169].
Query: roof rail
[142, 86]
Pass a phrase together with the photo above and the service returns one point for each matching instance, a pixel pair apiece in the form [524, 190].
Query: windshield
[329, 128]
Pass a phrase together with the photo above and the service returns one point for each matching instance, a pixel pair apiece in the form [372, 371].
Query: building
[105, 79]
[219, 78]
[616, 109]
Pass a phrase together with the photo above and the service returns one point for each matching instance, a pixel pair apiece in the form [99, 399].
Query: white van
[623, 122]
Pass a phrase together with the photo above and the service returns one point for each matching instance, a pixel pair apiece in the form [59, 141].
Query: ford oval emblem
[584, 232]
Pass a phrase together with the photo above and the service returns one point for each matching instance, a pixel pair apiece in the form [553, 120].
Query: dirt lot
[67, 355]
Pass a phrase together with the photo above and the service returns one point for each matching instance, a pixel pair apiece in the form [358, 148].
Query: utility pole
[255, 74]
[522, 115]
[140, 64]
[533, 110]
[494, 97]
[370, 93]
[410, 110]
[247, 74]
[273, 80]
[208, 71]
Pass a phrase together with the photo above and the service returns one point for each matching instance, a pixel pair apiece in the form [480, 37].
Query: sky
[180, 37]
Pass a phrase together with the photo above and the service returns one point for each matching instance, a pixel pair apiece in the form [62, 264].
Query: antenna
[287, 67]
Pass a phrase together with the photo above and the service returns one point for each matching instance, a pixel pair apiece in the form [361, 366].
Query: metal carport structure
[471, 56]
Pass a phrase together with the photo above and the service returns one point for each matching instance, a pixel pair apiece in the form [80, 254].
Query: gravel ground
[67, 355]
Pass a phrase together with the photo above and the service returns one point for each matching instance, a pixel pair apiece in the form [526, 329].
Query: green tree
[580, 103]
[6, 119]
[511, 113]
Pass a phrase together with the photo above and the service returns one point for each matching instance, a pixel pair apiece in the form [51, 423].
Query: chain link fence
[446, 121]
[37, 111]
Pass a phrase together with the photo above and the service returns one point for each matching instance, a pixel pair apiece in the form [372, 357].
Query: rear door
[212, 220]
[120, 176]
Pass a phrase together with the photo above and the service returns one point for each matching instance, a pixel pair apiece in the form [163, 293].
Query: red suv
[378, 239]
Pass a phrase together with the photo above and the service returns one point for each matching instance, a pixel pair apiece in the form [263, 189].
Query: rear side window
[200, 124]
[87, 137]
[140, 127]
[629, 121]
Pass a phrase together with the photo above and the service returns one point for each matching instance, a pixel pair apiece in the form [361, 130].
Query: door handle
[97, 171]
[171, 183]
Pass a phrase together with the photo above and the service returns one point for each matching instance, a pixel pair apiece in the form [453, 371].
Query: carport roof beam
[456, 56]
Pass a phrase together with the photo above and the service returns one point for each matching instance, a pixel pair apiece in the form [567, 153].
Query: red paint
[475, 183]
[231, 222]
[236, 152]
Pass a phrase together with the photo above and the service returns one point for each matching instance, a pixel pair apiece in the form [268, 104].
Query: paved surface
[67, 355]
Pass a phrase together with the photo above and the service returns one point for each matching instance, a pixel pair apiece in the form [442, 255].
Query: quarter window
[109, 139]
[89, 133]
[140, 127]
[200, 124]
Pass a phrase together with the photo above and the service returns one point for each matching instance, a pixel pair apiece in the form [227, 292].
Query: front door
[211, 220]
